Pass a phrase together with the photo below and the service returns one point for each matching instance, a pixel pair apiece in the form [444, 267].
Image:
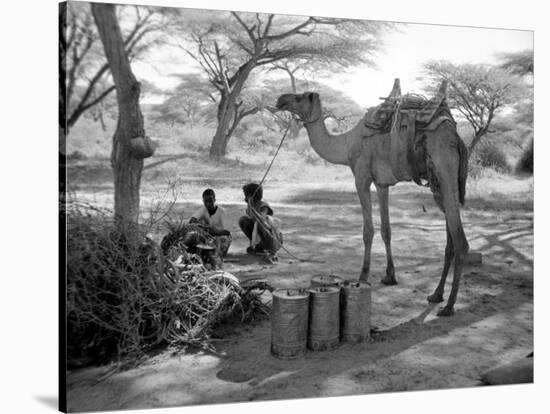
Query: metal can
[289, 319]
[355, 310]
[324, 318]
[326, 280]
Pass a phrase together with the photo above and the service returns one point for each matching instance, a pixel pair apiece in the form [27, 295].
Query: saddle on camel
[404, 118]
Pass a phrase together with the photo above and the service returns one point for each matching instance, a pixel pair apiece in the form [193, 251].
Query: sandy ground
[414, 349]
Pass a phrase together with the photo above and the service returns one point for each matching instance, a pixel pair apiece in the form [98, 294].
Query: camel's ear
[396, 90]
[313, 96]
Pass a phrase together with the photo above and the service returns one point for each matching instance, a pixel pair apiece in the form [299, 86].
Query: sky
[402, 57]
[406, 50]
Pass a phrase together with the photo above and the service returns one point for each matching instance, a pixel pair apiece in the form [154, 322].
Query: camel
[373, 158]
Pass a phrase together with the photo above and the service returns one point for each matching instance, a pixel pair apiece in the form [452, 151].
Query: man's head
[209, 198]
[252, 190]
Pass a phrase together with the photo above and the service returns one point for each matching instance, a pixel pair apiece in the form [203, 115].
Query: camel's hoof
[446, 311]
[389, 280]
[435, 298]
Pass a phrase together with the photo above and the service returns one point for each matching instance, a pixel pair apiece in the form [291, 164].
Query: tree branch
[249, 31]
[290, 32]
[259, 28]
[137, 33]
[268, 25]
[223, 74]
[83, 108]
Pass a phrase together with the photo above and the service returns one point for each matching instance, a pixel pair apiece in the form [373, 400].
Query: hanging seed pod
[142, 147]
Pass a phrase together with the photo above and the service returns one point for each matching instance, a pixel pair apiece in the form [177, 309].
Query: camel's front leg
[363, 190]
[382, 192]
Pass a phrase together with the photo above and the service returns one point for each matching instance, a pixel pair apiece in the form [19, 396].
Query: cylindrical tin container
[324, 318]
[355, 308]
[324, 280]
[289, 319]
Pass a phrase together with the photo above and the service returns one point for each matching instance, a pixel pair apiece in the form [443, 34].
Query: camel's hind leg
[458, 245]
[437, 296]
[444, 168]
[362, 184]
[382, 192]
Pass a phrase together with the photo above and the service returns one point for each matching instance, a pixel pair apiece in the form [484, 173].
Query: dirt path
[414, 350]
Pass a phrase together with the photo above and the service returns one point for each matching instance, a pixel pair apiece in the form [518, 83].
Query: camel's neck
[333, 148]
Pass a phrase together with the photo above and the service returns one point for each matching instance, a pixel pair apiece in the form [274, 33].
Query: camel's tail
[462, 170]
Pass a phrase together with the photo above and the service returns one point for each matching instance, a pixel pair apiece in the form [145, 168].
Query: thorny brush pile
[126, 297]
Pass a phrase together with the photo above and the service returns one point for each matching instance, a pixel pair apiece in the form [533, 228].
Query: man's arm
[217, 232]
[197, 216]
[219, 228]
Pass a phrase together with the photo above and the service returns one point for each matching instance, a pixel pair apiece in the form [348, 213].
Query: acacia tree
[477, 91]
[86, 79]
[519, 62]
[187, 102]
[229, 46]
[522, 64]
[126, 156]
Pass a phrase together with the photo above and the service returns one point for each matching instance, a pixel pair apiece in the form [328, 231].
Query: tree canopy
[187, 102]
[228, 46]
[476, 91]
[88, 80]
[520, 63]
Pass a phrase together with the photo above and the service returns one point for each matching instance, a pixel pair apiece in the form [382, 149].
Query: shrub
[525, 163]
[124, 296]
[475, 169]
[488, 154]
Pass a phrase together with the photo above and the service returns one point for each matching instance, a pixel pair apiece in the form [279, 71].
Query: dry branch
[123, 300]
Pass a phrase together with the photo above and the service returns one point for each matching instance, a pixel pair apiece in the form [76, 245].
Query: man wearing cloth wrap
[259, 224]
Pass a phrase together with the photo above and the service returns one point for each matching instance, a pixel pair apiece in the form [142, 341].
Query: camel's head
[306, 105]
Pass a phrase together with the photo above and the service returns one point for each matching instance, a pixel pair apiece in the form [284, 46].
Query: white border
[29, 202]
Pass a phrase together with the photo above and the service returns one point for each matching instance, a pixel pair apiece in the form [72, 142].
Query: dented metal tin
[355, 307]
[326, 280]
[289, 323]
[324, 318]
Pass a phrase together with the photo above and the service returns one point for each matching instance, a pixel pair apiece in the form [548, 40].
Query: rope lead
[258, 215]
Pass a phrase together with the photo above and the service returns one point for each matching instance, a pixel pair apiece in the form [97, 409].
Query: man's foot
[270, 258]
[254, 250]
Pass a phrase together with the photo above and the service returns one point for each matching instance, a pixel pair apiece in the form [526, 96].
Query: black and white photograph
[260, 206]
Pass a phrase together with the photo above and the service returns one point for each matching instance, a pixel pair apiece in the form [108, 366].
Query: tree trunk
[127, 165]
[102, 121]
[218, 148]
[477, 137]
[226, 112]
[480, 132]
